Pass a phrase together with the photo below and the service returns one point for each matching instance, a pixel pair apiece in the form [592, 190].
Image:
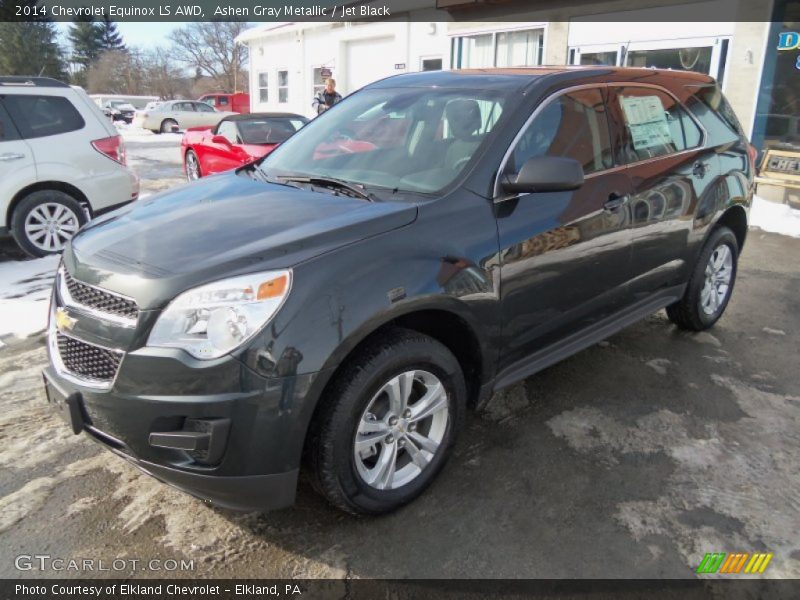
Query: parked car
[61, 163]
[117, 110]
[238, 102]
[178, 115]
[346, 308]
[235, 141]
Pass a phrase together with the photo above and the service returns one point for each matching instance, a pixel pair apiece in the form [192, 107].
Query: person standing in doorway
[327, 97]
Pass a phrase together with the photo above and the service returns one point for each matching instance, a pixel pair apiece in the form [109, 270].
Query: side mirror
[546, 174]
[220, 139]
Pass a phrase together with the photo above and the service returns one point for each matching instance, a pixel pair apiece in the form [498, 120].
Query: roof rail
[9, 80]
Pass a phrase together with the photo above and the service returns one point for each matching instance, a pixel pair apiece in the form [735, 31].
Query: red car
[235, 141]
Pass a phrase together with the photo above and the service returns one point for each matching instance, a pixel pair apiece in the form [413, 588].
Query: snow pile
[774, 217]
[24, 296]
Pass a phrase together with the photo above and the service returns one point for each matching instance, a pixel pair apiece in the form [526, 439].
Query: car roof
[522, 77]
[265, 115]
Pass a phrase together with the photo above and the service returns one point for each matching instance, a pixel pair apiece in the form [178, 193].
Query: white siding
[355, 53]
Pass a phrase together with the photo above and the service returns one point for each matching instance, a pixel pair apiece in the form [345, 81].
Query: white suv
[61, 163]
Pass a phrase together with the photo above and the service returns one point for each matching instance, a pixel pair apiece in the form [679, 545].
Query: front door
[565, 256]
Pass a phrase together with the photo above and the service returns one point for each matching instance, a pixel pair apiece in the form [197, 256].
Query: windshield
[269, 131]
[413, 140]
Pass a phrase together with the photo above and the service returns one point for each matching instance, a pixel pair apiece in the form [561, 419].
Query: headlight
[211, 320]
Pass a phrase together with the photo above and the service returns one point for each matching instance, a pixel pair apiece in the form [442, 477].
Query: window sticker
[647, 121]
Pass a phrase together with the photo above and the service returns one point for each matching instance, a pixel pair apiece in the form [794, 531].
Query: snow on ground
[774, 217]
[24, 294]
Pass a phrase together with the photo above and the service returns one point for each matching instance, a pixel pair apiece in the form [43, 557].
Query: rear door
[206, 115]
[184, 114]
[670, 170]
[565, 255]
[17, 166]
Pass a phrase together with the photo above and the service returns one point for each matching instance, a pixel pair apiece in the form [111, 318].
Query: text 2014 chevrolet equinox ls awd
[431, 239]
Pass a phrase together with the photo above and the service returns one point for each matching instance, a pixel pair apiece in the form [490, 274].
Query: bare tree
[163, 78]
[117, 72]
[211, 49]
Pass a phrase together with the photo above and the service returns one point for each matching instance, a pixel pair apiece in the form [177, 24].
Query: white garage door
[369, 60]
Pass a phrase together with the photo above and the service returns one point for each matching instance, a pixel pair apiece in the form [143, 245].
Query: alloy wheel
[50, 226]
[192, 167]
[718, 275]
[401, 430]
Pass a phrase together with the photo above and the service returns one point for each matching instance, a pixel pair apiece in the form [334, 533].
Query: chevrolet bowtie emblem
[63, 321]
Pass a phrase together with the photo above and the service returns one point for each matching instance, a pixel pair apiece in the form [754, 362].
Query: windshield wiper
[330, 183]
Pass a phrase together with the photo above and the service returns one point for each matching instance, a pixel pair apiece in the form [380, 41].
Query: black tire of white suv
[45, 220]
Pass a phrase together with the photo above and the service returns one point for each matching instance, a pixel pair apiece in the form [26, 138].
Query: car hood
[221, 226]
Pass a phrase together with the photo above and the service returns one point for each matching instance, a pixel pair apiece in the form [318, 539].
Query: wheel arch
[39, 186]
[735, 219]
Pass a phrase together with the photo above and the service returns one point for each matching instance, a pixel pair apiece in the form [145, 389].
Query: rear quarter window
[715, 114]
[42, 116]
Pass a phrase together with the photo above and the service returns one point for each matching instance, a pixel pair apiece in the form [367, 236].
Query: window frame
[620, 122]
[261, 88]
[499, 195]
[280, 87]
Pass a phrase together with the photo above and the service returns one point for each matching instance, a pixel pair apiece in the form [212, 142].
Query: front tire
[388, 424]
[711, 284]
[44, 221]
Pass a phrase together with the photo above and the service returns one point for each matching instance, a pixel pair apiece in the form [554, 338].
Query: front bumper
[259, 467]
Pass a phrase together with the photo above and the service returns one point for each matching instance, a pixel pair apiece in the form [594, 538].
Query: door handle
[615, 201]
[9, 156]
[699, 169]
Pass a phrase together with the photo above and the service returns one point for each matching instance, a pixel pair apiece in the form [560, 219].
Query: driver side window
[227, 129]
[573, 125]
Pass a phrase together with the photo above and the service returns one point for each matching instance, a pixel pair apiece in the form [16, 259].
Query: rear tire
[388, 424]
[168, 125]
[44, 221]
[711, 284]
[191, 166]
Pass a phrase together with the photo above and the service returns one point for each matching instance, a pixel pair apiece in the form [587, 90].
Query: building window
[682, 59]
[263, 87]
[319, 80]
[502, 49]
[431, 64]
[283, 87]
[519, 48]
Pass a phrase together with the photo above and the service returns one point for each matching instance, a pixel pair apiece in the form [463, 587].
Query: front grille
[100, 300]
[87, 360]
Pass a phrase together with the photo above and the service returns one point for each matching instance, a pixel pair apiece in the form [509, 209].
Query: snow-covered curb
[774, 217]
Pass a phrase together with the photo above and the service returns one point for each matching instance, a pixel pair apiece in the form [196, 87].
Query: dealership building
[289, 61]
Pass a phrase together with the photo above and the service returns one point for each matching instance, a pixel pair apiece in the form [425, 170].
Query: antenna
[41, 71]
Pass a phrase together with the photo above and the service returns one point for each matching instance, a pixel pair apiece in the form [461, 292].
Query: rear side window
[573, 125]
[41, 116]
[655, 124]
[713, 111]
[7, 130]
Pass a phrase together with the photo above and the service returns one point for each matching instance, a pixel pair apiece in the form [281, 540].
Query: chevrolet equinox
[430, 240]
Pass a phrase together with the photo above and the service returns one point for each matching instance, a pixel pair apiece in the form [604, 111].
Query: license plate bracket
[69, 406]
